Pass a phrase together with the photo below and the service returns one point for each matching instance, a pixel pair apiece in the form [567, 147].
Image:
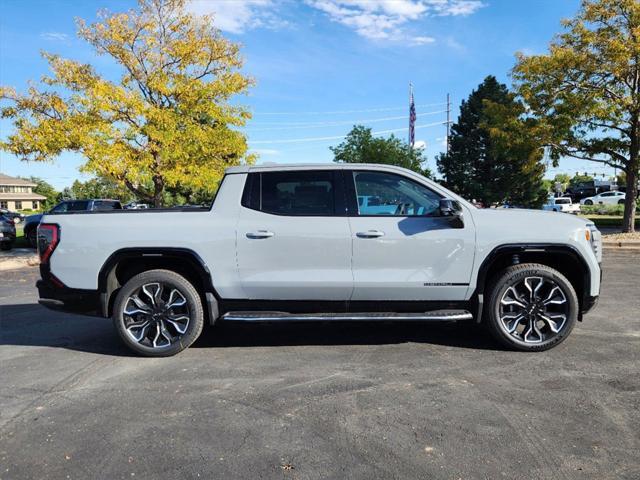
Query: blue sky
[319, 65]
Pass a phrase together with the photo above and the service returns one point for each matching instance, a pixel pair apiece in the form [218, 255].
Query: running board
[436, 315]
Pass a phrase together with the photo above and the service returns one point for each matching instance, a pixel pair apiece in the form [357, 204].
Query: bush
[602, 209]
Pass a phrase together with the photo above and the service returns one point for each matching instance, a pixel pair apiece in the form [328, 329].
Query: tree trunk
[158, 190]
[628, 221]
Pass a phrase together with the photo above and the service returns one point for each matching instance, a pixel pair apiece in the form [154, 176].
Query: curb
[622, 244]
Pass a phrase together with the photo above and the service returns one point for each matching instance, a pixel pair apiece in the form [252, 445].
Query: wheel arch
[564, 258]
[123, 264]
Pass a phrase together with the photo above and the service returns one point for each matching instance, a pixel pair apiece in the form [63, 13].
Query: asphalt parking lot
[339, 401]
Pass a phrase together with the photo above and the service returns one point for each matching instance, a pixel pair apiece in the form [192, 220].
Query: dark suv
[32, 221]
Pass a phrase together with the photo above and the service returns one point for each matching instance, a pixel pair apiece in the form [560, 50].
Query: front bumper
[57, 296]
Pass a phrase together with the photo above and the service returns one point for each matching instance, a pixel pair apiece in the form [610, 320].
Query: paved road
[322, 400]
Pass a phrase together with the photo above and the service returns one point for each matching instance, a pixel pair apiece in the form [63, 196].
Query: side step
[435, 315]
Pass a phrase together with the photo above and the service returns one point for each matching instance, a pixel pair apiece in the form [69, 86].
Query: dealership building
[17, 194]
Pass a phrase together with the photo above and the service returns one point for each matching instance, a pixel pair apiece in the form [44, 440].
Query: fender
[108, 283]
[518, 250]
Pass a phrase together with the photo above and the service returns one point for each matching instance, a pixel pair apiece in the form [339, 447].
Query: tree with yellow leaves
[167, 122]
[586, 91]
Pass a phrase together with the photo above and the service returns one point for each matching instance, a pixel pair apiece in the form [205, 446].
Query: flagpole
[410, 95]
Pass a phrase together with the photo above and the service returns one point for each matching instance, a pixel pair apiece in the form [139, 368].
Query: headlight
[594, 237]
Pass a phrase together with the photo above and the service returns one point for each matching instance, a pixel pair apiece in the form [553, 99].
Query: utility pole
[448, 121]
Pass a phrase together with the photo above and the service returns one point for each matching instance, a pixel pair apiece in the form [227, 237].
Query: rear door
[293, 237]
[403, 250]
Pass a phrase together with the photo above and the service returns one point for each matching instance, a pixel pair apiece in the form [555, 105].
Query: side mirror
[451, 208]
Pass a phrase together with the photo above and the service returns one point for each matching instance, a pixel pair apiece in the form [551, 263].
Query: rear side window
[106, 205]
[71, 206]
[295, 193]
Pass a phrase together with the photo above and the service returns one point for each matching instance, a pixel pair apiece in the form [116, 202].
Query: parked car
[561, 204]
[136, 206]
[605, 198]
[68, 206]
[291, 243]
[7, 232]
[17, 217]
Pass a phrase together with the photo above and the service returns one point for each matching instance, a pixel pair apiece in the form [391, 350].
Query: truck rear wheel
[531, 307]
[158, 313]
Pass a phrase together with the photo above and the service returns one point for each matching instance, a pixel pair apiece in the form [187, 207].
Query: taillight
[48, 239]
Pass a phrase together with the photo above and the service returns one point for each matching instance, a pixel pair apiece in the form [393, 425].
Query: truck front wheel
[531, 307]
[158, 313]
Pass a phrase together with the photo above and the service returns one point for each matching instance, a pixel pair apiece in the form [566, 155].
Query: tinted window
[71, 206]
[301, 193]
[388, 194]
[106, 205]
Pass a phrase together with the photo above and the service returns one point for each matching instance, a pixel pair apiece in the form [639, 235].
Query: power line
[302, 125]
[337, 137]
[336, 112]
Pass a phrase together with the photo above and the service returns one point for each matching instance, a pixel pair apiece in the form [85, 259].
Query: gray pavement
[320, 400]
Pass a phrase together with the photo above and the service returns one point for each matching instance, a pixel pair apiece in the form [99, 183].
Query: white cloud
[238, 16]
[422, 40]
[55, 36]
[384, 19]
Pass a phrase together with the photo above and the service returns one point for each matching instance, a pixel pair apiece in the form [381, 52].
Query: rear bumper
[56, 296]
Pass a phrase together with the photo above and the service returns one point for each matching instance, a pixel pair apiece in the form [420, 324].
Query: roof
[21, 196]
[311, 166]
[7, 180]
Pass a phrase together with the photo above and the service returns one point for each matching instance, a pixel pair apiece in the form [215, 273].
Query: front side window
[388, 194]
[295, 193]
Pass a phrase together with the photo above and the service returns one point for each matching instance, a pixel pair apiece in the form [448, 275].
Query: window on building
[4, 205]
[18, 205]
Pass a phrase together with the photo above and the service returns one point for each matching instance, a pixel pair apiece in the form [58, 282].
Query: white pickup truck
[328, 242]
[561, 204]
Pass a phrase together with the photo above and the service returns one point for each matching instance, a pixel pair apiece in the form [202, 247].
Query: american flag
[412, 119]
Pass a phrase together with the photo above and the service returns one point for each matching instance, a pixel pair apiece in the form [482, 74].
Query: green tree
[360, 146]
[46, 189]
[100, 187]
[563, 179]
[586, 91]
[494, 153]
[578, 178]
[166, 121]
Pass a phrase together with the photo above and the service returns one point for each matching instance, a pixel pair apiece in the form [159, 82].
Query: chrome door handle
[370, 234]
[260, 234]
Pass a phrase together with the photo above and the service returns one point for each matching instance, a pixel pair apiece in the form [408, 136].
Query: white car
[605, 198]
[561, 204]
[322, 242]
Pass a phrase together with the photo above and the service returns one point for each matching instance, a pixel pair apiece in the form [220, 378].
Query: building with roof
[17, 194]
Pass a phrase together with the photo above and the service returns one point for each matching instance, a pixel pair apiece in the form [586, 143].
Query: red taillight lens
[48, 238]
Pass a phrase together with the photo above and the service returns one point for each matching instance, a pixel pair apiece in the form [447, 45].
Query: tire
[544, 292]
[620, 202]
[588, 202]
[32, 237]
[555, 209]
[153, 327]
[6, 245]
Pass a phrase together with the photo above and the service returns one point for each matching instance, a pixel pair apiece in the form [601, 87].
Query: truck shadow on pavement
[33, 325]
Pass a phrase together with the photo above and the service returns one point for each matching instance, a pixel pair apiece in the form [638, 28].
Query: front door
[403, 250]
[293, 236]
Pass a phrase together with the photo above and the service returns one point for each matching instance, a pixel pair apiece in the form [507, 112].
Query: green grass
[21, 240]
